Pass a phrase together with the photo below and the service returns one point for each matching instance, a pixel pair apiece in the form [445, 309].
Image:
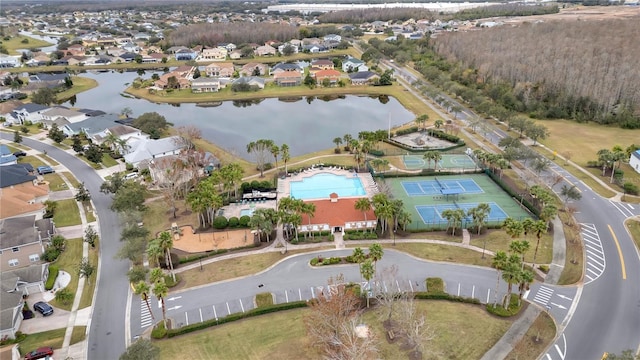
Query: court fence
[418, 225]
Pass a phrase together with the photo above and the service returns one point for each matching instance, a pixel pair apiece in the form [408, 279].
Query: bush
[237, 316]
[544, 268]
[513, 309]
[358, 235]
[64, 296]
[137, 274]
[53, 274]
[159, 331]
[234, 222]
[406, 131]
[375, 152]
[630, 188]
[244, 220]
[444, 296]
[50, 254]
[220, 222]
[189, 259]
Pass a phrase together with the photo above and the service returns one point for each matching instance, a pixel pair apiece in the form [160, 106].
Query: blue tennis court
[435, 187]
[433, 213]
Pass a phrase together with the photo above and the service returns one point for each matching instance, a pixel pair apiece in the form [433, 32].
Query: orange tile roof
[15, 200]
[336, 213]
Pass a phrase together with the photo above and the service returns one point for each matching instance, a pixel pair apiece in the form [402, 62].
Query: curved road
[107, 323]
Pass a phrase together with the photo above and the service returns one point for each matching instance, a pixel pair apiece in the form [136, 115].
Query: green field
[492, 193]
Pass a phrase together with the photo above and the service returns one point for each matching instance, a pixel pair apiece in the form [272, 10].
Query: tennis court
[433, 213]
[436, 186]
[425, 197]
[448, 161]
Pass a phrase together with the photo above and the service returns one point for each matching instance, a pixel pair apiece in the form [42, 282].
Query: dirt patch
[581, 13]
[394, 335]
[191, 241]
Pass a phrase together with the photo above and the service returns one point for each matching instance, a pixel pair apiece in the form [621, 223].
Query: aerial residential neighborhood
[252, 180]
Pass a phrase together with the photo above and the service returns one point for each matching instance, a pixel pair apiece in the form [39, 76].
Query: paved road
[219, 299]
[107, 324]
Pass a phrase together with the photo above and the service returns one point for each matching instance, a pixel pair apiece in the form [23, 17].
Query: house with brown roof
[335, 214]
[331, 75]
[205, 84]
[220, 69]
[183, 75]
[323, 64]
[254, 69]
[287, 78]
[213, 54]
[265, 50]
[76, 49]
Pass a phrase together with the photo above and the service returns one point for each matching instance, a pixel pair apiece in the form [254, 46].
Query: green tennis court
[426, 205]
[448, 161]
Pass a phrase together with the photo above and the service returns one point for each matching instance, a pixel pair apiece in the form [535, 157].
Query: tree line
[211, 34]
[579, 70]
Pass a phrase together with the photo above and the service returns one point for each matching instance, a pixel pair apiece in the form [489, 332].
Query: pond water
[306, 125]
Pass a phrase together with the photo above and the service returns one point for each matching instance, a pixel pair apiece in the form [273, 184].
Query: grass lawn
[68, 261]
[30, 159]
[536, 340]
[499, 240]
[108, 161]
[90, 163]
[461, 332]
[16, 42]
[88, 212]
[66, 213]
[572, 272]
[157, 218]
[55, 182]
[90, 286]
[233, 268]
[80, 84]
[53, 338]
[72, 179]
[437, 252]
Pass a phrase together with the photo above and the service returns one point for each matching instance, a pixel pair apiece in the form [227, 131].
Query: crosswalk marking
[596, 262]
[145, 316]
[543, 295]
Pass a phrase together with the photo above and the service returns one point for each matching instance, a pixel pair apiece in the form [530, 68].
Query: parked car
[45, 170]
[131, 176]
[39, 353]
[19, 153]
[43, 308]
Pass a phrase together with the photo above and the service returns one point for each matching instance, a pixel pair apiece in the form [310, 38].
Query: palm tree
[275, 151]
[309, 209]
[421, 121]
[527, 226]
[347, 140]
[513, 227]
[364, 205]
[284, 149]
[260, 148]
[448, 215]
[430, 156]
[540, 227]
[375, 253]
[161, 291]
[142, 289]
[367, 272]
[510, 274]
[438, 123]
[519, 248]
[526, 277]
[165, 242]
[338, 142]
[358, 255]
[436, 159]
[499, 262]
[154, 252]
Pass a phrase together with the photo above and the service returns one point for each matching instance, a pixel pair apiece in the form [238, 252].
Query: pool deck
[369, 185]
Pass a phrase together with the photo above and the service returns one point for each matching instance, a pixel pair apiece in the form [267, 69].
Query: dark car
[19, 153]
[39, 353]
[43, 308]
[45, 170]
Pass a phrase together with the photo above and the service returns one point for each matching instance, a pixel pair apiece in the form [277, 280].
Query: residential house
[363, 78]
[634, 161]
[130, 47]
[337, 215]
[332, 37]
[152, 58]
[20, 244]
[265, 50]
[252, 81]
[76, 50]
[314, 48]
[6, 156]
[235, 55]
[213, 54]
[75, 60]
[14, 286]
[220, 69]
[352, 64]
[286, 67]
[20, 193]
[127, 57]
[7, 108]
[185, 55]
[321, 76]
[61, 116]
[29, 112]
[323, 64]
[254, 69]
[143, 151]
[205, 84]
[125, 133]
[294, 48]
[288, 78]
[182, 74]
[50, 79]
[7, 61]
[229, 46]
[91, 125]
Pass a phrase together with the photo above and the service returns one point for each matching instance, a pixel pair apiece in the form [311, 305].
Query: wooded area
[237, 33]
[586, 71]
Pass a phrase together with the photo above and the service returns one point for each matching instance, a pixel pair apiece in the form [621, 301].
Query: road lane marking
[615, 239]
[595, 257]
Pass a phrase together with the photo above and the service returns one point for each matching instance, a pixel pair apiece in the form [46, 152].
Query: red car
[39, 353]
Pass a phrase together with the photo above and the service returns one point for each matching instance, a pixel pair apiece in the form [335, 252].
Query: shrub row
[357, 235]
[514, 307]
[512, 192]
[444, 136]
[318, 261]
[238, 316]
[221, 222]
[444, 296]
[406, 131]
[51, 280]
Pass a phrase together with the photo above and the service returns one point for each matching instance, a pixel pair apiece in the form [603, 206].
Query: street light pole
[394, 237]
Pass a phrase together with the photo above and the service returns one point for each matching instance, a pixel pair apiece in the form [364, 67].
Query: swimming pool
[248, 212]
[320, 186]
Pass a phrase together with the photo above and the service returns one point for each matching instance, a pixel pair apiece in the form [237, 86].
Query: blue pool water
[248, 212]
[320, 186]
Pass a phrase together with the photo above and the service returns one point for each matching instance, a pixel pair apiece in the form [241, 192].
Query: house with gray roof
[29, 112]
[15, 174]
[20, 242]
[352, 64]
[91, 125]
[143, 151]
[6, 156]
[14, 286]
[252, 81]
[363, 77]
[55, 113]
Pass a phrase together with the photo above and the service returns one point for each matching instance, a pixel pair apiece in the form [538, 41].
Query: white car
[131, 176]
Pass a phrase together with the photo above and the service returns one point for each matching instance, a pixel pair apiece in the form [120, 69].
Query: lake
[306, 126]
